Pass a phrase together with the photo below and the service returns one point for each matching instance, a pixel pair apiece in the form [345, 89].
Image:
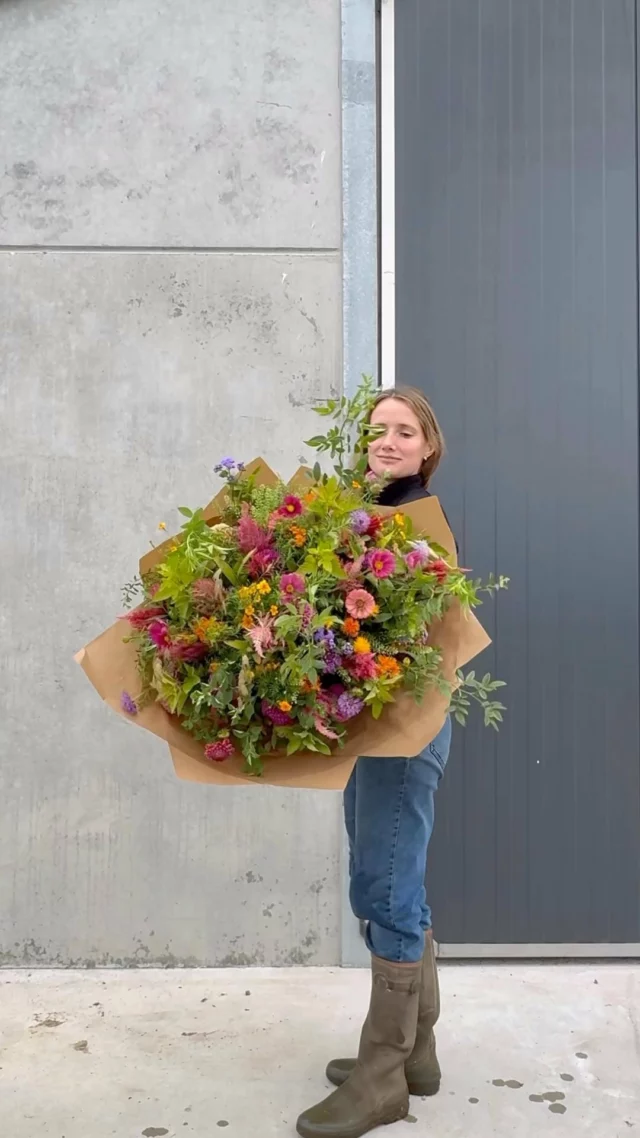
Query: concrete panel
[151, 123]
[123, 377]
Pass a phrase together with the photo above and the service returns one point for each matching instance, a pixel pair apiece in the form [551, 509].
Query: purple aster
[349, 706]
[325, 636]
[128, 704]
[332, 661]
[360, 521]
[227, 463]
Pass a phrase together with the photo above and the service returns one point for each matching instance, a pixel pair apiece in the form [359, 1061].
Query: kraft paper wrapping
[404, 728]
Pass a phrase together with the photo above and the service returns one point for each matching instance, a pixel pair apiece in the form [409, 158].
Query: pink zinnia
[158, 633]
[381, 563]
[360, 604]
[292, 584]
[220, 750]
[418, 557]
[291, 507]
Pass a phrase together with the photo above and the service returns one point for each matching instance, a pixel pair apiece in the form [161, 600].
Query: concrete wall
[170, 289]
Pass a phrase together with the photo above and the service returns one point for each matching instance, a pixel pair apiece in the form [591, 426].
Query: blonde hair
[425, 415]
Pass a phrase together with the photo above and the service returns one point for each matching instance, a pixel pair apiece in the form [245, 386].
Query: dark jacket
[402, 490]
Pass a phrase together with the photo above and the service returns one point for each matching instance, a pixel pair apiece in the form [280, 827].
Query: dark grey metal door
[517, 312]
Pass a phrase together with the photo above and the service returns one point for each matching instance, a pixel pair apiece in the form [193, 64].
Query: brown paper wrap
[404, 728]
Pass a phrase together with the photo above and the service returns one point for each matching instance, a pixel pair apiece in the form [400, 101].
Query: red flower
[220, 750]
[375, 525]
[439, 568]
[158, 633]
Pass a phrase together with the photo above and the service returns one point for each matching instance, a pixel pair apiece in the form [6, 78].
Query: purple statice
[128, 703]
[349, 706]
[360, 521]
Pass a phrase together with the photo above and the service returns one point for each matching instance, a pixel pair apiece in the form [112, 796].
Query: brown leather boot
[375, 1092]
[422, 1069]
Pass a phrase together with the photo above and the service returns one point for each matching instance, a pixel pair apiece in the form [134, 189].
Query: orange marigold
[350, 626]
[388, 666]
[361, 645]
[284, 705]
[201, 628]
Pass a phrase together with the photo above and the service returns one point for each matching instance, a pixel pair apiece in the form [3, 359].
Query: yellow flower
[361, 645]
[357, 485]
[274, 610]
[263, 588]
[162, 525]
[375, 610]
[284, 705]
[400, 520]
[249, 611]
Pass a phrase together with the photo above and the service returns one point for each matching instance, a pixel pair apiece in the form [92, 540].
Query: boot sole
[386, 1118]
[423, 1090]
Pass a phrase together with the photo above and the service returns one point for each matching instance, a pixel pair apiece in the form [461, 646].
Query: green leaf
[240, 645]
[185, 511]
[317, 471]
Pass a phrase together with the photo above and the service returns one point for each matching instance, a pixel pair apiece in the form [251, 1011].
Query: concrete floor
[154, 1053]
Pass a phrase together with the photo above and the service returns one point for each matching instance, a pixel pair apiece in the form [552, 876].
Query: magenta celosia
[262, 562]
[186, 648]
[220, 750]
[141, 617]
[362, 665]
[250, 534]
[275, 715]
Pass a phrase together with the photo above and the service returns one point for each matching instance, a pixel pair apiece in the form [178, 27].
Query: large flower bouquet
[271, 622]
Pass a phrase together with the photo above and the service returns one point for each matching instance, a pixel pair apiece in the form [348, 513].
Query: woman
[389, 814]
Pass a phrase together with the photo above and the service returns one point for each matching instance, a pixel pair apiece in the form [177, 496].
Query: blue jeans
[389, 815]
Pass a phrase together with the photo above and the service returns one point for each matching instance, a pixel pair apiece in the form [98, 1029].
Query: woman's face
[401, 450]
